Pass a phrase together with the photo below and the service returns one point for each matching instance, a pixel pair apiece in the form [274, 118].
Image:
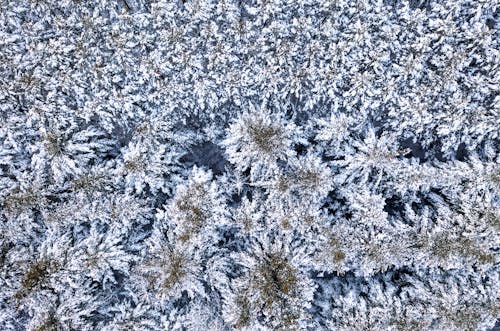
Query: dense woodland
[249, 165]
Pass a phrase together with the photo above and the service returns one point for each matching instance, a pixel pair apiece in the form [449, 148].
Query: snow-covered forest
[216, 165]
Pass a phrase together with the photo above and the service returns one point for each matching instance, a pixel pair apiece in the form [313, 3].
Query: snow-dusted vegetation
[249, 165]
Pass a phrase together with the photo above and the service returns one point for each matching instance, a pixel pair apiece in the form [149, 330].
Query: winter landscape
[214, 165]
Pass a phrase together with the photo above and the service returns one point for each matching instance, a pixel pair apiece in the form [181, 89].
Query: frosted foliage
[249, 165]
